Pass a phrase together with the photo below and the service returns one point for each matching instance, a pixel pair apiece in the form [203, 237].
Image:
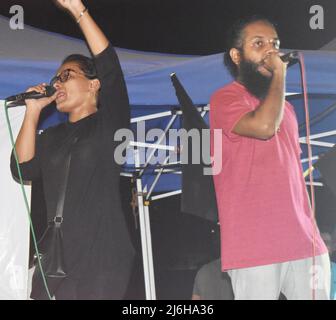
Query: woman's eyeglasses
[64, 76]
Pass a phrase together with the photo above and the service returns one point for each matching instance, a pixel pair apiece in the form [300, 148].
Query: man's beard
[255, 82]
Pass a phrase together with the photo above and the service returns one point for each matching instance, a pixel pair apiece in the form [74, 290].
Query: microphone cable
[26, 201]
[310, 168]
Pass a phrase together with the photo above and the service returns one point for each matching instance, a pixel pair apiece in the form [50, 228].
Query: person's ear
[235, 56]
[95, 85]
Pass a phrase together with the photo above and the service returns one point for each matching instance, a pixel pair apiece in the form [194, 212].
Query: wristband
[81, 14]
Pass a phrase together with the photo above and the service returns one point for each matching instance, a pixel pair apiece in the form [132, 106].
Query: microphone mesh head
[50, 91]
[294, 54]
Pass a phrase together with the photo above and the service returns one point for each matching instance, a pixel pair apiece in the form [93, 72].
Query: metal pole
[150, 253]
[146, 241]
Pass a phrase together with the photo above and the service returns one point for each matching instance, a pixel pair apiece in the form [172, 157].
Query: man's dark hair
[85, 63]
[234, 39]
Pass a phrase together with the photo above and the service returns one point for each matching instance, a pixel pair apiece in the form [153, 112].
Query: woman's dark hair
[234, 39]
[86, 64]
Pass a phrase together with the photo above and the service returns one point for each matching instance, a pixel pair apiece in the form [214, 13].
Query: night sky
[184, 26]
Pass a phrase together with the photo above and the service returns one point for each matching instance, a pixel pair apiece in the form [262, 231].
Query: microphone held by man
[291, 58]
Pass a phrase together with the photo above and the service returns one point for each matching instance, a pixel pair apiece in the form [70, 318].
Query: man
[268, 236]
[212, 284]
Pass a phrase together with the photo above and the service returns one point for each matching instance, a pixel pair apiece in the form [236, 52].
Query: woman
[97, 247]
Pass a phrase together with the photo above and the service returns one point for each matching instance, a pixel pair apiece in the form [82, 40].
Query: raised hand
[94, 36]
[73, 6]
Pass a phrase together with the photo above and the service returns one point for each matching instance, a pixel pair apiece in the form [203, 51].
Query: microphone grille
[50, 91]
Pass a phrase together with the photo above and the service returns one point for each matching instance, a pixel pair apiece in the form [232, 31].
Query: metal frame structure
[144, 192]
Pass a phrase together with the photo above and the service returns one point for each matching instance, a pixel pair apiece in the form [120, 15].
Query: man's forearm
[270, 112]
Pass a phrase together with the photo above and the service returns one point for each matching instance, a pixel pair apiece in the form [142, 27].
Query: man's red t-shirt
[263, 205]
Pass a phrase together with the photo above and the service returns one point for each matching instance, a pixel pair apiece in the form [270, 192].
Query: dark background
[184, 26]
[182, 243]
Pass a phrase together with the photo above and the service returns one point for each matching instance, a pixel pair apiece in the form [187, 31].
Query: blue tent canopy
[32, 56]
[152, 87]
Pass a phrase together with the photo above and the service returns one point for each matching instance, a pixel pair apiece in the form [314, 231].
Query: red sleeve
[227, 109]
[297, 142]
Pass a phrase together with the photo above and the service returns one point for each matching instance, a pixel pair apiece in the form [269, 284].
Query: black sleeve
[113, 99]
[30, 170]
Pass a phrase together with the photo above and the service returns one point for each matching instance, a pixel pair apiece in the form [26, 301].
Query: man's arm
[263, 122]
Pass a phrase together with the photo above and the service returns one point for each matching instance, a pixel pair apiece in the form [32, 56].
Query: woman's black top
[97, 245]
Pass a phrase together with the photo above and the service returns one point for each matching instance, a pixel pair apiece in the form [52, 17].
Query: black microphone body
[291, 58]
[21, 97]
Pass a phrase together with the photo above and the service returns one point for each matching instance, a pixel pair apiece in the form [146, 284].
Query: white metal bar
[164, 114]
[130, 175]
[168, 170]
[307, 160]
[150, 253]
[320, 143]
[318, 184]
[320, 135]
[126, 174]
[174, 163]
[152, 145]
[147, 254]
[292, 93]
[152, 116]
[166, 195]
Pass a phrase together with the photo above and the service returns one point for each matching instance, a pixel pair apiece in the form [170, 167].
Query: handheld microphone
[19, 99]
[290, 57]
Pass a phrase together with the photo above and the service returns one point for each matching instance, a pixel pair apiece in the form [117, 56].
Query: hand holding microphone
[38, 96]
[291, 58]
[274, 62]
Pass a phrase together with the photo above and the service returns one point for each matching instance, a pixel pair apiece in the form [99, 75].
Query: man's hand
[273, 63]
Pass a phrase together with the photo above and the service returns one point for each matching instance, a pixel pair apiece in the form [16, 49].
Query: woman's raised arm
[94, 36]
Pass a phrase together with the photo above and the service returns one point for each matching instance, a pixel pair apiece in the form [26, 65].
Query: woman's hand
[36, 105]
[75, 7]
[94, 36]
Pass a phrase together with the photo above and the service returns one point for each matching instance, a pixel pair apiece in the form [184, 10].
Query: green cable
[26, 202]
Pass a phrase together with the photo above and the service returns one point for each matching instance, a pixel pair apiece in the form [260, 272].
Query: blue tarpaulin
[32, 56]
